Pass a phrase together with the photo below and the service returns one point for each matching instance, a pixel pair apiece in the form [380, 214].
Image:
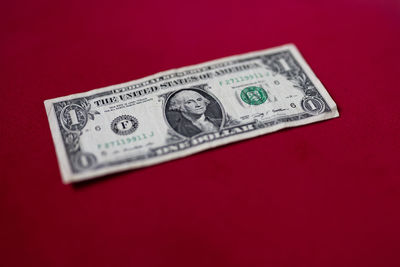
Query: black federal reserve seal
[124, 124]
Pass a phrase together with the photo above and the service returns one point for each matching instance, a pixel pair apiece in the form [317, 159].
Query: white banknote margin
[69, 177]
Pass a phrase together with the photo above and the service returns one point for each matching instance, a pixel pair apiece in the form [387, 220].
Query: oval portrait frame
[208, 95]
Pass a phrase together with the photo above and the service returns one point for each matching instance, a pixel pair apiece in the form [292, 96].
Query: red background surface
[325, 194]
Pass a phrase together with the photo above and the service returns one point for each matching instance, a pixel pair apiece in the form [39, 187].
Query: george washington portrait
[192, 111]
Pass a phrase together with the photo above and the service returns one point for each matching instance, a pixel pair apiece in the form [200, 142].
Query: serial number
[243, 78]
[125, 141]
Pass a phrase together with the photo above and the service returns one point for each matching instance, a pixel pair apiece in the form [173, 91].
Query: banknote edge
[58, 143]
[69, 177]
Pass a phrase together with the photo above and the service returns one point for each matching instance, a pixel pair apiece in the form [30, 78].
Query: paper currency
[183, 111]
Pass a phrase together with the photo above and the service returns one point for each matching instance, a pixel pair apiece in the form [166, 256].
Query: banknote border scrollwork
[292, 71]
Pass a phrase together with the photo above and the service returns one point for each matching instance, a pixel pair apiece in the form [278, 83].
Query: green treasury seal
[253, 95]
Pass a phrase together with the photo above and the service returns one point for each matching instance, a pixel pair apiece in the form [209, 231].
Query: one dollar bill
[179, 112]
